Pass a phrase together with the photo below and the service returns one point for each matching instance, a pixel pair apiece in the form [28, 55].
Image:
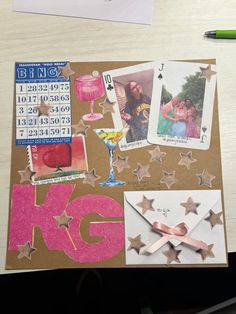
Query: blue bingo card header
[36, 72]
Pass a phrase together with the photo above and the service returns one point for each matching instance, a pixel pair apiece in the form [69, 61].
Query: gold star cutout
[63, 220]
[190, 206]
[121, 163]
[168, 178]
[172, 255]
[214, 218]
[142, 171]
[146, 205]
[43, 109]
[207, 73]
[91, 177]
[26, 250]
[65, 71]
[135, 243]
[206, 253]
[81, 128]
[26, 174]
[156, 154]
[186, 159]
[205, 178]
[107, 106]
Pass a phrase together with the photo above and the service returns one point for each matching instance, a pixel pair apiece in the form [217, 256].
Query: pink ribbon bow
[179, 232]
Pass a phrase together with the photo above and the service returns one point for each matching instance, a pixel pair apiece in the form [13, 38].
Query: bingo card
[43, 107]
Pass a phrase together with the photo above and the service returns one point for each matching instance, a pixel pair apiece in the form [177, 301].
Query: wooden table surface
[175, 34]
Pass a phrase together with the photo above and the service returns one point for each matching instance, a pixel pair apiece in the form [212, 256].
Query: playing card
[130, 89]
[182, 104]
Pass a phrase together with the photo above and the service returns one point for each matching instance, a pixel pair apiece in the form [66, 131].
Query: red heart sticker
[58, 156]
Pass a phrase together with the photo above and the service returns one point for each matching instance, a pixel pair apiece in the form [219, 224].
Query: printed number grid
[35, 128]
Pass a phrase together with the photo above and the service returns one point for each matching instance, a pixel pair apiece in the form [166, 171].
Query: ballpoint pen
[221, 34]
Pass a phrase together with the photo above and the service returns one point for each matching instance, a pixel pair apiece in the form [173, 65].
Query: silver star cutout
[214, 218]
[186, 159]
[107, 106]
[205, 178]
[26, 175]
[146, 205]
[142, 171]
[121, 163]
[135, 243]
[26, 250]
[65, 71]
[190, 206]
[43, 109]
[168, 178]
[63, 220]
[206, 253]
[156, 154]
[80, 127]
[91, 177]
[207, 73]
[172, 255]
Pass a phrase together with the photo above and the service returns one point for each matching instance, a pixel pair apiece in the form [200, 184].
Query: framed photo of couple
[167, 103]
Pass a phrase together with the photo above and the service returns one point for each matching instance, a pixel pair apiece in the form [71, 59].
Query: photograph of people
[136, 112]
[166, 118]
[134, 93]
[181, 107]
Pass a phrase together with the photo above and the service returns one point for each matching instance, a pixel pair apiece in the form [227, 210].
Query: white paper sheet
[133, 11]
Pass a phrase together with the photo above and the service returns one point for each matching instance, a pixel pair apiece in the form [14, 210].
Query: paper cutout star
[190, 206]
[205, 178]
[135, 243]
[207, 73]
[63, 220]
[172, 255]
[214, 218]
[186, 159]
[26, 175]
[91, 177]
[156, 154]
[168, 178]
[65, 71]
[142, 171]
[81, 128]
[121, 163]
[146, 205]
[26, 250]
[206, 253]
[107, 106]
[43, 109]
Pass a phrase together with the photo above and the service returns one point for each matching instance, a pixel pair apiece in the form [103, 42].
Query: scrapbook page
[116, 164]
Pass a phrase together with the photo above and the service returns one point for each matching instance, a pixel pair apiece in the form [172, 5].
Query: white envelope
[168, 210]
[133, 11]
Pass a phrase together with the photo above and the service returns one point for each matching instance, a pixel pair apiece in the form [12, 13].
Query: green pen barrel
[226, 34]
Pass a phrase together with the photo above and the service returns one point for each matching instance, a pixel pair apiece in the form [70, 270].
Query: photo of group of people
[179, 118]
[181, 107]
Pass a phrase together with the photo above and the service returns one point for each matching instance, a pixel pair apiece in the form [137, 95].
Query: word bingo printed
[43, 104]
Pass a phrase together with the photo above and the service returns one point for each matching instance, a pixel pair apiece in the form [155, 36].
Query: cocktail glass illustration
[111, 137]
[90, 88]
